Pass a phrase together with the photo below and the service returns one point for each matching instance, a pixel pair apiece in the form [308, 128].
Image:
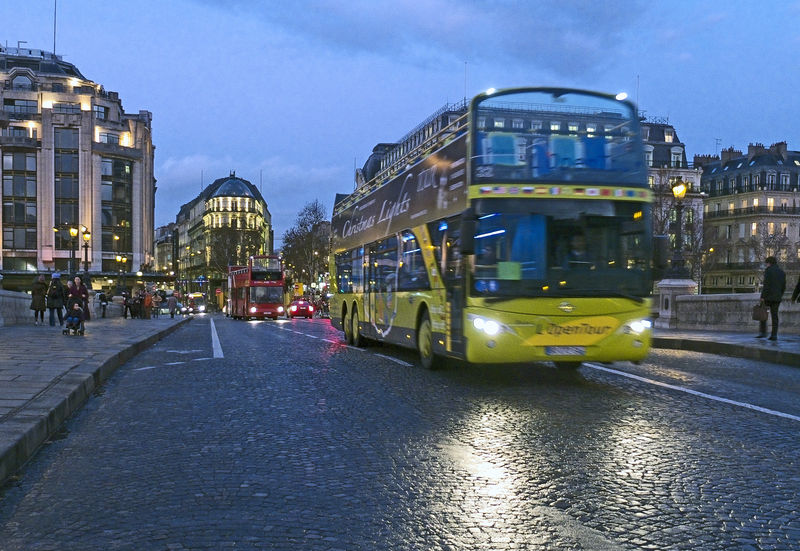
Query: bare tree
[306, 245]
[230, 246]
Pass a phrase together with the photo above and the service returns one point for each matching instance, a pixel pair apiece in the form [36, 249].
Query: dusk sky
[293, 95]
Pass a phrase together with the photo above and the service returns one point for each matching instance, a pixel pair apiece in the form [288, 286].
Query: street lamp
[678, 269]
[121, 260]
[73, 249]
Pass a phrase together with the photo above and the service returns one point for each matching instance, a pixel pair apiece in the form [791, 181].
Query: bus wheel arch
[427, 358]
[346, 327]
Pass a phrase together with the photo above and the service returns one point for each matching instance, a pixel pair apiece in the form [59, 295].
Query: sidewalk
[785, 351]
[45, 376]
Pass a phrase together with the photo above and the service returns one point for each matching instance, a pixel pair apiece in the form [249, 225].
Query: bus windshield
[561, 248]
[266, 294]
[554, 135]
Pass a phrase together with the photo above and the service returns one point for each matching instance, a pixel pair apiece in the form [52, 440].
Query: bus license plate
[565, 350]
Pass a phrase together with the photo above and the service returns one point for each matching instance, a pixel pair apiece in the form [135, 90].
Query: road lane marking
[174, 363]
[215, 341]
[395, 360]
[694, 392]
[143, 368]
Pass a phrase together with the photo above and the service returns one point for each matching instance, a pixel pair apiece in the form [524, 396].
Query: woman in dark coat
[38, 303]
[55, 300]
[80, 294]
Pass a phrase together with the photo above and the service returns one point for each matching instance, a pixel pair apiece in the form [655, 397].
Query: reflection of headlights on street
[252, 309]
[637, 327]
[489, 326]
[280, 309]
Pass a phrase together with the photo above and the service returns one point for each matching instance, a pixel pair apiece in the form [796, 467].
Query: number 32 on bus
[513, 229]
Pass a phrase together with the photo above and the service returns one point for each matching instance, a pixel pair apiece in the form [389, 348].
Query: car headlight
[293, 308]
[637, 327]
[280, 309]
[310, 308]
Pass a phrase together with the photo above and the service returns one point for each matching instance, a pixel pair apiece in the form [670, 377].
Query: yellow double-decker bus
[513, 228]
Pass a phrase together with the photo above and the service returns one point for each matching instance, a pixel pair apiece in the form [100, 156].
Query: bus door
[445, 235]
[454, 280]
[381, 298]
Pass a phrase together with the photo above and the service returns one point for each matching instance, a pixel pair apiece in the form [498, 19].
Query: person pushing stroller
[74, 319]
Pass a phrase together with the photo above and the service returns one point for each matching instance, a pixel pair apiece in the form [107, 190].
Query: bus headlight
[280, 309]
[252, 309]
[489, 326]
[201, 308]
[637, 327]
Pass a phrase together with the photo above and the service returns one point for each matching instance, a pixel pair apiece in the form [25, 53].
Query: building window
[668, 135]
[555, 126]
[67, 180]
[536, 125]
[499, 123]
[784, 182]
[67, 107]
[21, 106]
[676, 160]
[19, 200]
[108, 137]
[21, 82]
[753, 229]
[517, 123]
[100, 112]
[573, 127]
[648, 157]
[482, 122]
[116, 197]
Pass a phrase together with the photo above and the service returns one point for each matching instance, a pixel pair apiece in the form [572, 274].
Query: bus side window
[445, 235]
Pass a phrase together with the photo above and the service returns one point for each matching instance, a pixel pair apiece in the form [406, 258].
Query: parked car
[300, 308]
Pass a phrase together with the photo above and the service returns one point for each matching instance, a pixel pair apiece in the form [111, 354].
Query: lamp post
[678, 269]
[86, 237]
[121, 261]
[73, 249]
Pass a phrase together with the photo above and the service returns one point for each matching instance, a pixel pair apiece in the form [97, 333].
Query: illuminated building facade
[78, 189]
[224, 225]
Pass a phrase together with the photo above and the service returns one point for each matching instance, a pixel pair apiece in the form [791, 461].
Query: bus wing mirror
[468, 225]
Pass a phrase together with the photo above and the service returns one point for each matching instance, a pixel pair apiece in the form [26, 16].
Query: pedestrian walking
[771, 295]
[38, 300]
[55, 299]
[172, 304]
[156, 303]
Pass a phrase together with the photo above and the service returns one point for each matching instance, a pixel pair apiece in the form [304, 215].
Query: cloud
[563, 37]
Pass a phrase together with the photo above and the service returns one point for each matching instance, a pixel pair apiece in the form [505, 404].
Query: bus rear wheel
[427, 358]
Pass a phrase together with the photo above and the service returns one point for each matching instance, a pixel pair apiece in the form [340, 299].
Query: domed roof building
[224, 225]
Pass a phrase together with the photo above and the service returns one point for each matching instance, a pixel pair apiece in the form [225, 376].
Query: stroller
[74, 320]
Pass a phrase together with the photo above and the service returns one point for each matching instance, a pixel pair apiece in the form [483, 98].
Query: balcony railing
[670, 164]
[727, 190]
[21, 141]
[114, 149]
[779, 210]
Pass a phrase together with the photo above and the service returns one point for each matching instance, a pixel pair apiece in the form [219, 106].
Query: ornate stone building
[75, 162]
[752, 211]
[224, 225]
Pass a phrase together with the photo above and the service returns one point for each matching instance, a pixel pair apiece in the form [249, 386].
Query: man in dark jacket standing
[771, 295]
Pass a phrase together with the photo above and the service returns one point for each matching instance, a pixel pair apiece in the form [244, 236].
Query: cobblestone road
[295, 441]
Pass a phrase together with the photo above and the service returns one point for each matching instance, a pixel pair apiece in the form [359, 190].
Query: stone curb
[782, 357]
[43, 415]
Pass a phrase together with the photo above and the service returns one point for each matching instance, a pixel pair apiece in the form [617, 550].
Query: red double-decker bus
[256, 290]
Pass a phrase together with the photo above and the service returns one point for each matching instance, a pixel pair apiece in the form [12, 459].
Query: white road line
[330, 341]
[215, 341]
[694, 392]
[201, 359]
[143, 368]
[395, 360]
[174, 363]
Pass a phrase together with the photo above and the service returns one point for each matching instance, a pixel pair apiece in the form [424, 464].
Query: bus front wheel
[348, 329]
[358, 339]
[427, 358]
